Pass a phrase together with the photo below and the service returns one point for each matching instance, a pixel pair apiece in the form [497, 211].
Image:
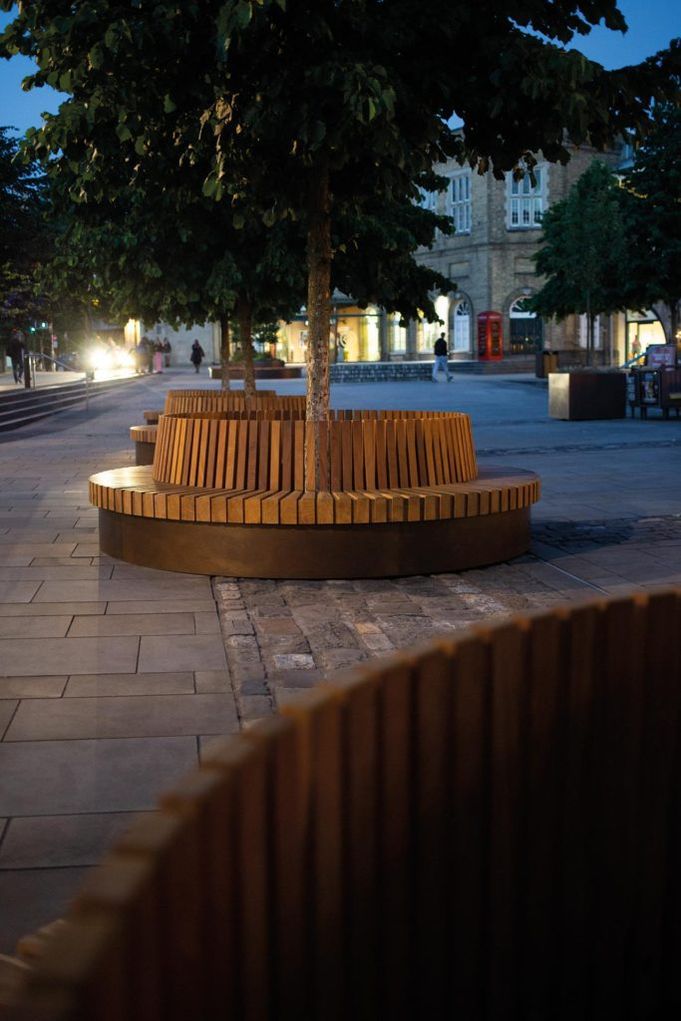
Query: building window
[527, 201]
[461, 327]
[428, 200]
[526, 329]
[459, 202]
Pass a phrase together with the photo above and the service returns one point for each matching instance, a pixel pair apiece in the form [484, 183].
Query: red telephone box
[490, 340]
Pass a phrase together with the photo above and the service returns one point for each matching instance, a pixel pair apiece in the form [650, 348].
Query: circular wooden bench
[144, 438]
[399, 493]
[196, 401]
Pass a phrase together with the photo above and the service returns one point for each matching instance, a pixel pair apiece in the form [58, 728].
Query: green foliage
[653, 215]
[247, 105]
[24, 238]
[584, 250]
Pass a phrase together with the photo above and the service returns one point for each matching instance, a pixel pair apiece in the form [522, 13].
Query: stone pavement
[111, 676]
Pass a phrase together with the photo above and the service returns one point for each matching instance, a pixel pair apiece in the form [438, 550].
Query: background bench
[481, 828]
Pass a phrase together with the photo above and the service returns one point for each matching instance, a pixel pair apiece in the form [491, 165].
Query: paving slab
[175, 652]
[69, 777]
[60, 841]
[102, 717]
[32, 898]
[34, 627]
[136, 624]
[70, 655]
[94, 685]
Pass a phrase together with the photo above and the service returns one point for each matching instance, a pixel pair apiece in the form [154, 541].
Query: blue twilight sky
[652, 23]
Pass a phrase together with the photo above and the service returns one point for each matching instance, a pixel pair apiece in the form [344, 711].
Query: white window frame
[527, 202]
[459, 205]
[428, 200]
[461, 321]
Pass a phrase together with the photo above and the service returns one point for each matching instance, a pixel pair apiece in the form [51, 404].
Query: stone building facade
[490, 259]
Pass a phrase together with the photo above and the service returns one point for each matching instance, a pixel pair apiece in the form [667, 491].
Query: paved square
[112, 676]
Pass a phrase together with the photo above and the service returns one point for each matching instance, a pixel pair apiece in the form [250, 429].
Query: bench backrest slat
[235, 449]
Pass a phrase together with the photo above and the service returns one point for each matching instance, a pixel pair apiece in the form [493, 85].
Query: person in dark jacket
[440, 364]
[15, 350]
[197, 355]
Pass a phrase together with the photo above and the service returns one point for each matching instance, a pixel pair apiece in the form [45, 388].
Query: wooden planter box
[581, 396]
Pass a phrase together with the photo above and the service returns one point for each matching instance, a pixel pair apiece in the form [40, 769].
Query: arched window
[461, 327]
[526, 201]
[526, 328]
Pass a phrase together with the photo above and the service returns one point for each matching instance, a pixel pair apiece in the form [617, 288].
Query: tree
[24, 238]
[653, 221]
[312, 107]
[583, 254]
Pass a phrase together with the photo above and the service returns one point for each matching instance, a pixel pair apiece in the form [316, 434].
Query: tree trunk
[589, 330]
[319, 317]
[244, 311]
[674, 324]
[224, 351]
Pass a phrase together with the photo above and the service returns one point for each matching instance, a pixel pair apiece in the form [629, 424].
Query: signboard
[661, 356]
[649, 387]
[631, 388]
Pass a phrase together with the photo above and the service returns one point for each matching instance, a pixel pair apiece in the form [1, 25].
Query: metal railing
[30, 360]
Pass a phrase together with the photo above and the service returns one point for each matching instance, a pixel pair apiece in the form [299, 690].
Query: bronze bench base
[317, 551]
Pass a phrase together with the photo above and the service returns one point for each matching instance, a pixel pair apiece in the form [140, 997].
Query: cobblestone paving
[283, 637]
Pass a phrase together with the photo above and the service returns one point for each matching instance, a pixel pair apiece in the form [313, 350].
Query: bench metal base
[319, 551]
[144, 452]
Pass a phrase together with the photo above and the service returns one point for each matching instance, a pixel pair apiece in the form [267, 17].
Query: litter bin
[546, 362]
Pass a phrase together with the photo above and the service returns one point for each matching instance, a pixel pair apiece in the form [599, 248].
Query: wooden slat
[617, 744]
[250, 827]
[361, 819]
[432, 864]
[299, 455]
[320, 732]
[547, 729]
[574, 911]
[395, 847]
[509, 650]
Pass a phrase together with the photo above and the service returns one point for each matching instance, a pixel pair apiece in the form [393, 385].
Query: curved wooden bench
[188, 401]
[365, 451]
[448, 833]
[392, 470]
[144, 438]
[215, 400]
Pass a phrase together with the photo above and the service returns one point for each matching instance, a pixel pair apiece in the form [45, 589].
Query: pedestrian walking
[197, 355]
[440, 363]
[15, 350]
[158, 356]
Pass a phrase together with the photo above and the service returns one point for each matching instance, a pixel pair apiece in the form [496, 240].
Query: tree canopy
[584, 251]
[24, 239]
[653, 217]
[314, 110]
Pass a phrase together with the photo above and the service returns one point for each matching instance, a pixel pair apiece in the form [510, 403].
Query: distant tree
[653, 221]
[25, 241]
[584, 253]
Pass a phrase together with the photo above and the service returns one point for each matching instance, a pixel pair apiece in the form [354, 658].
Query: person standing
[197, 355]
[15, 350]
[158, 356]
[167, 349]
[440, 363]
